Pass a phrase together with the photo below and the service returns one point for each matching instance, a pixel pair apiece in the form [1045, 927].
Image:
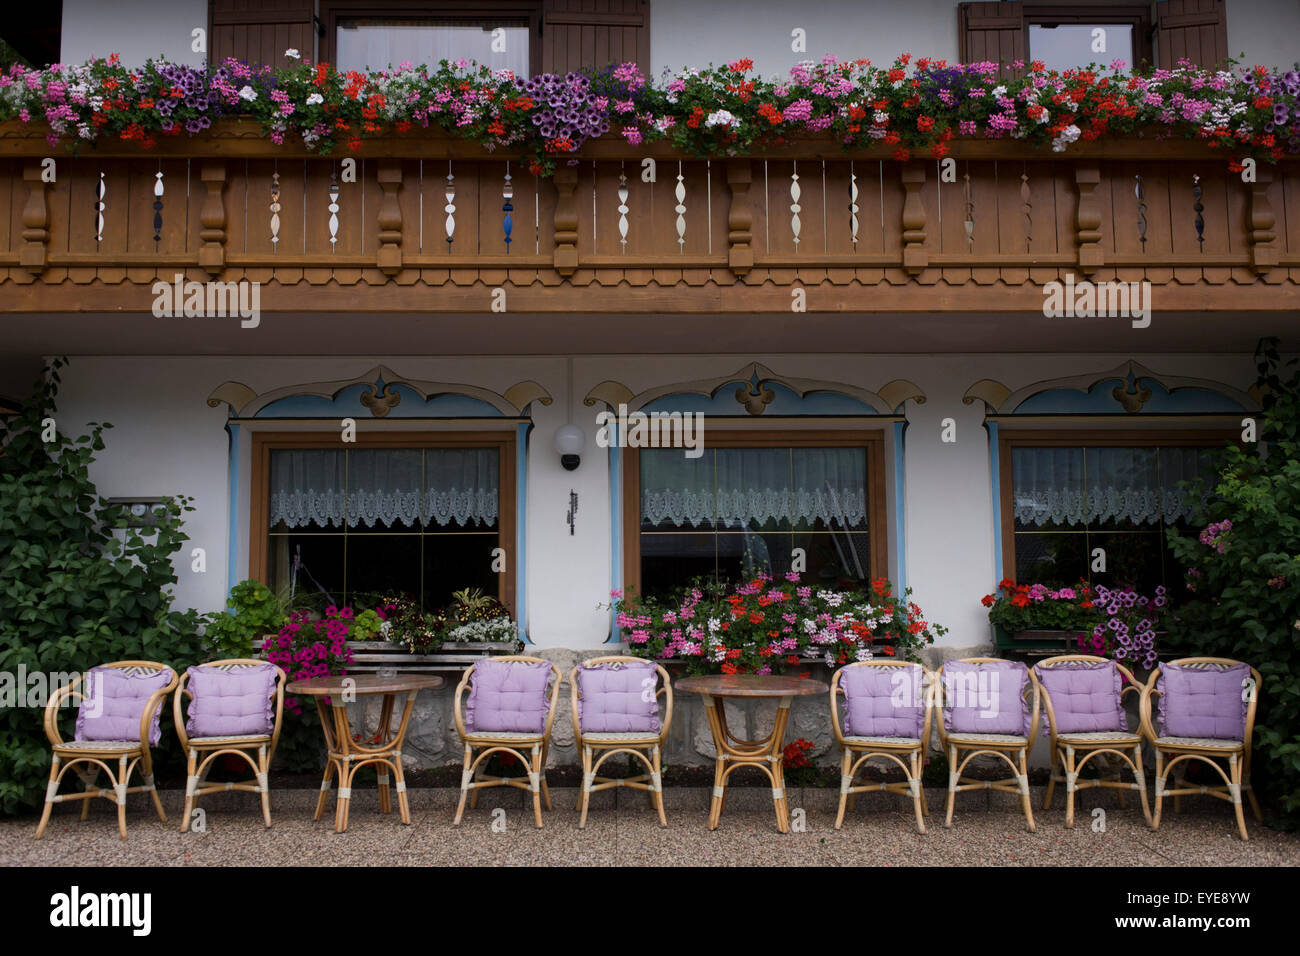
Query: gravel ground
[622, 831]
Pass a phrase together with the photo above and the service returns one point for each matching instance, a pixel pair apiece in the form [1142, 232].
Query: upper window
[745, 509]
[1068, 46]
[351, 525]
[377, 44]
[1068, 500]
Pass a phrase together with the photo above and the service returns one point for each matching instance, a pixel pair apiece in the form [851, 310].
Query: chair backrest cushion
[883, 701]
[114, 702]
[986, 698]
[618, 697]
[1085, 696]
[508, 696]
[1207, 702]
[231, 703]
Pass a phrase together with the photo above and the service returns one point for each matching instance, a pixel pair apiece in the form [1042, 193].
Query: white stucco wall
[166, 440]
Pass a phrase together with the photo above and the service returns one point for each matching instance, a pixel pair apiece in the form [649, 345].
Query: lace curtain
[1086, 486]
[371, 487]
[745, 487]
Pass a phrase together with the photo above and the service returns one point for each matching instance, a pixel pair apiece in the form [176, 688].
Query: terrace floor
[987, 830]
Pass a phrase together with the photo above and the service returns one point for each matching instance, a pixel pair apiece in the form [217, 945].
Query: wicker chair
[1087, 745]
[96, 754]
[1206, 750]
[857, 749]
[202, 751]
[513, 742]
[597, 746]
[963, 747]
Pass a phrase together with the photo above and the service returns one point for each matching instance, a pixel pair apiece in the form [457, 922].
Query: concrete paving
[623, 831]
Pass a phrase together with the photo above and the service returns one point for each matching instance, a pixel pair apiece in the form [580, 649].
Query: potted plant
[476, 621]
[767, 626]
[1129, 627]
[1033, 617]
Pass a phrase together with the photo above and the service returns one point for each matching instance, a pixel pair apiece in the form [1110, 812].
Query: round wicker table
[346, 754]
[733, 751]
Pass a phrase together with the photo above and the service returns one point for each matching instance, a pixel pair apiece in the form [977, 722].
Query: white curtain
[373, 487]
[747, 487]
[379, 45]
[1085, 486]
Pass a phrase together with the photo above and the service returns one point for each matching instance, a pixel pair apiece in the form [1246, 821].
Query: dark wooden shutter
[594, 33]
[259, 31]
[991, 32]
[1196, 30]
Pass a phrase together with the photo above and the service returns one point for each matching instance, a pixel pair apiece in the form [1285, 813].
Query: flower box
[1038, 642]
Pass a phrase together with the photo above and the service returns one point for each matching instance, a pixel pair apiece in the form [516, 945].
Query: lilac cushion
[986, 698]
[883, 701]
[231, 703]
[508, 696]
[1203, 703]
[1085, 696]
[612, 698]
[114, 702]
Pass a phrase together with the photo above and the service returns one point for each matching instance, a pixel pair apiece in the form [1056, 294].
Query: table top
[364, 684]
[751, 685]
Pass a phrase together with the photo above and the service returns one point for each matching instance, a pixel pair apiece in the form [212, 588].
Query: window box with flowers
[770, 626]
[1034, 619]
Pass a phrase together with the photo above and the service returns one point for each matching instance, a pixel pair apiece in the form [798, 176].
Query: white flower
[714, 624]
[248, 93]
[1067, 135]
[292, 54]
[721, 118]
[999, 91]
[314, 99]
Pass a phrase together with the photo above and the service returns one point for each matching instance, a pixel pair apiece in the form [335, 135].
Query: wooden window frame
[259, 495]
[873, 440]
[332, 11]
[1086, 438]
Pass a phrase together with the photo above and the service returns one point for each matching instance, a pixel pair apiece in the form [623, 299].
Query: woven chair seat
[106, 746]
[502, 735]
[987, 739]
[1099, 737]
[243, 739]
[621, 737]
[886, 741]
[1204, 743]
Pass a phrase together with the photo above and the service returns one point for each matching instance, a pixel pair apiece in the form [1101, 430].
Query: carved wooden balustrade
[431, 224]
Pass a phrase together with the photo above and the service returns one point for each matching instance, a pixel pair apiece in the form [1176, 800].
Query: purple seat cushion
[883, 701]
[1202, 703]
[114, 702]
[986, 698]
[611, 698]
[231, 703]
[1085, 696]
[508, 696]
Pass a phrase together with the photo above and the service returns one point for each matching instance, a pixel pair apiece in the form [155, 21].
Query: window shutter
[594, 33]
[1196, 30]
[991, 32]
[259, 31]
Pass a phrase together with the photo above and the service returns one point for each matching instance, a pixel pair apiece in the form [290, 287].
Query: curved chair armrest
[1046, 699]
[178, 707]
[836, 690]
[52, 709]
[457, 714]
[573, 702]
[281, 679]
[153, 705]
[667, 691]
[1145, 726]
[555, 700]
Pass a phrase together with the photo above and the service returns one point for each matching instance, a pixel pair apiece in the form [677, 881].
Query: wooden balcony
[432, 224]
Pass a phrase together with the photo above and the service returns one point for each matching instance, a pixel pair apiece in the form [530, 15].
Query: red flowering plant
[1024, 607]
[767, 626]
[915, 106]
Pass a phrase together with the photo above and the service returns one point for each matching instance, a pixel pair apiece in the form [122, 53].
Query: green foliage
[78, 586]
[253, 611]
[1244, 578]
